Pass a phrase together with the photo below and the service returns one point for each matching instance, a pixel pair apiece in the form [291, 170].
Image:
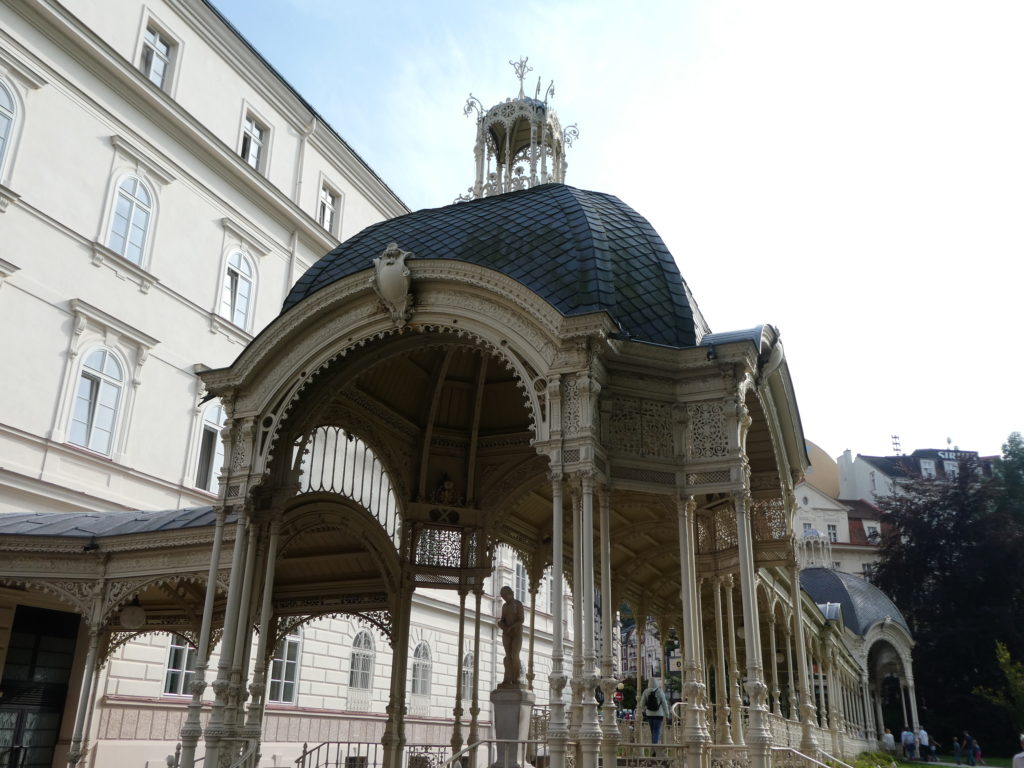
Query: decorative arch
[311, 510]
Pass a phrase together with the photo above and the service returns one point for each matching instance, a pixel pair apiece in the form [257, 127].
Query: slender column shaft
[807, 743]
[243, 640]
[870, 730]
[474, 708]
[758, 735]
[774, 666]
[590, 728]
[394, 731]
[263, 647]
[903, 700]
[557, 728]
[84, 696]
[460, 653]
[695, 732]
[793, 712]
[215, 727]
[192, 729]
[533, 632]
[722, 678]
[734, 667]
[578, 605]
[608, 611]
[913, 704]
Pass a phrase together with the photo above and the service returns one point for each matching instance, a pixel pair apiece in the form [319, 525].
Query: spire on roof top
[519, 142]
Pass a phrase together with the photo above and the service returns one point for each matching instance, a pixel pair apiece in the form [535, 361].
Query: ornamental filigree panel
[725, 528]
[707, 436]
[641, 427]
[571, 407]
[768, 519]
[436, 546]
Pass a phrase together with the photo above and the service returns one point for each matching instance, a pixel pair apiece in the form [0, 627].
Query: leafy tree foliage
[951, 555]
[1010, 698]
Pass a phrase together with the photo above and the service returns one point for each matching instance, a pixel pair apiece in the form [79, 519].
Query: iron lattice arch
[331, 460]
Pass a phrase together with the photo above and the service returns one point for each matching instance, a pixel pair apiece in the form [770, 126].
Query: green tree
[946, 556]
[1010, 698]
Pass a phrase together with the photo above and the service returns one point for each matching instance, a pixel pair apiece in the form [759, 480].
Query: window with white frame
[236, 296]
[327, 208]
[421, 670]
[868, 571]
[284, 671]
[361, 671]
[157, 56]
[211, 447]
[467, 677]
[952, 469]
[7, 116]
[129, 224]
[872, 533]
[836, 565]
[833, 532]
[521, 582]
[97, 400]
[181, 665]
[928, 469]
[254, 141]
[871, 477]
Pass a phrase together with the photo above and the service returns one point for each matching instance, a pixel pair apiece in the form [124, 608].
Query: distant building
[871, 477]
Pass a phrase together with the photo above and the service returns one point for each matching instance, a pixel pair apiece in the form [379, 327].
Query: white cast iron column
[758, 736]
[590, 728]
[734, 666]
[722, 684]
[695, 731]
[807, 744]
[610, 731]
[557, 729]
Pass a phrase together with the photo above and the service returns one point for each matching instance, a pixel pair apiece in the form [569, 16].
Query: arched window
[129, 224]
[7, 114]
[467, 677]
[284, 671]
[361, 672]
[211, 447]
[421, 670]
[97, 399]
[237, 294]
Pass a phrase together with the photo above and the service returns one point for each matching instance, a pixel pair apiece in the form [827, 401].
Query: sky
[850, 172]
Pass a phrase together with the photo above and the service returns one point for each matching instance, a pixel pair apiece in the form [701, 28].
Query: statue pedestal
[511, 709]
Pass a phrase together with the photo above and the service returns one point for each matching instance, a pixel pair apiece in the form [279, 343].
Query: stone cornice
[83, 310]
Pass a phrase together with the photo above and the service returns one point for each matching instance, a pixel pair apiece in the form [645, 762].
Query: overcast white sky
[851, 172]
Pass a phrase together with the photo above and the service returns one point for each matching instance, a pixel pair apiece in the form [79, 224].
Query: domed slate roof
[580, 251]
[864, 604]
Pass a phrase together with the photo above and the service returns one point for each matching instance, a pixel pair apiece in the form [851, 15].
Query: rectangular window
[521, 582]
[951, 468]
[207, 452]
[284, 671]
[833, 533]
[181, 664]
[254, 137]
[873, 533]
[928, 469]
[868, 570]
[836, 565]
[807, 527]
[325, 212]
[157, 53]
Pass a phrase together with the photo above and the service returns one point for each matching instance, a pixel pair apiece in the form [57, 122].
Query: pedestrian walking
[1018, 759]
[907, 742]
[922, 740]
[889, 743]
[956, 750]
[968, 748]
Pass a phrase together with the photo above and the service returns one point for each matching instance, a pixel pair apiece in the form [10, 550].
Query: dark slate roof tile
[580, 251]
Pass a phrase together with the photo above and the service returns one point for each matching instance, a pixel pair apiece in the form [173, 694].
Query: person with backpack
[655, 708]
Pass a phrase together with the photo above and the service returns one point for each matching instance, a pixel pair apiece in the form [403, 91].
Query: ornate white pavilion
[529, 368]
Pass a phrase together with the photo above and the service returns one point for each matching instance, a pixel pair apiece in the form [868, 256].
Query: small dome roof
[580, 251]
[864, 604]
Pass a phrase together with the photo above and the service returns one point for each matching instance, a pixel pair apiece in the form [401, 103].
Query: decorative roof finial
[521, 71]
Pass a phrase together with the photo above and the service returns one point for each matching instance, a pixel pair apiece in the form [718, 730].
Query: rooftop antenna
[896, 449]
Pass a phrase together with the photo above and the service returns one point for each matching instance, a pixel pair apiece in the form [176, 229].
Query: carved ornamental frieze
[640, 427]
[707, 438]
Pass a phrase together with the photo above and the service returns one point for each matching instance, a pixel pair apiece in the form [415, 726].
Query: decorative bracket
[392, 283]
